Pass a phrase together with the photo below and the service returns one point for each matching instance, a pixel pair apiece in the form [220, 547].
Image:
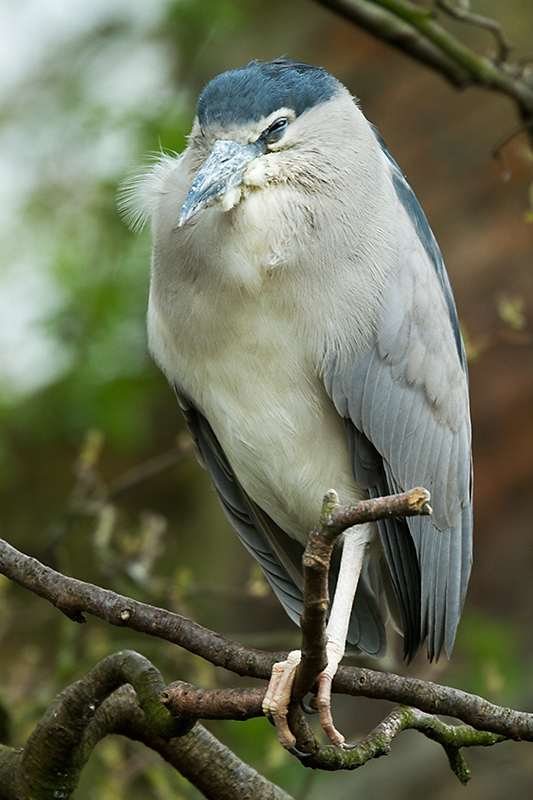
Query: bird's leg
[278, 694]
[353, 552]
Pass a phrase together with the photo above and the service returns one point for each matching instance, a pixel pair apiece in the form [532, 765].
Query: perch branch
[435, 699]
[187, 700]
[187, 703]
[75, 598]
[334, 520]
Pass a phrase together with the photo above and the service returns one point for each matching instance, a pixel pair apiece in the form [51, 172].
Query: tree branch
[463, 14]
[121, 695]
[334, 520]
[414, 30]
[435, 699]
[55, 753]
[201, 758]
[187, 703]
[187, 700]
[74, 598]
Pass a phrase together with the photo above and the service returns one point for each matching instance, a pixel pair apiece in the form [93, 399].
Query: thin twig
[92, 496]
[414, 30]
[182, 450]
[465, 15]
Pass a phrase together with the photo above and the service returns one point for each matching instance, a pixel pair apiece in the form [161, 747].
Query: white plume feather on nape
[137, 193]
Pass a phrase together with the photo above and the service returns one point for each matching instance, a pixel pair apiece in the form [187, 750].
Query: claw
[308, 708]
[346, 746]
[298, 753]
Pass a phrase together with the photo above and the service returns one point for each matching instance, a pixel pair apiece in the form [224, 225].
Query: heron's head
[263, 124]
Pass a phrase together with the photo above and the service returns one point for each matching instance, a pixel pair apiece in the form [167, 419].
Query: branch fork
[334, 520]
[148, 714]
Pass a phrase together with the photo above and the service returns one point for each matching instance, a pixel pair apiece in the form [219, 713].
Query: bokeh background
[88, 91]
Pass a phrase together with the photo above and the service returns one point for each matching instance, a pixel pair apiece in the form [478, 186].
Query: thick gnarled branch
[419, 700]
[122, 695]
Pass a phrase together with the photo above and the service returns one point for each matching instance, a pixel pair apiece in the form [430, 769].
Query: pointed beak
[222, 172]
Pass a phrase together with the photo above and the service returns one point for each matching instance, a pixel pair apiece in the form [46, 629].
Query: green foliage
[491, 658]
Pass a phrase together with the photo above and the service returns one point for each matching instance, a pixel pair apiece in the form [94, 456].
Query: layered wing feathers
[279, 555]
[405, 399]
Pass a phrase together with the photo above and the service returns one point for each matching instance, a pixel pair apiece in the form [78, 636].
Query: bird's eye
[275, 131]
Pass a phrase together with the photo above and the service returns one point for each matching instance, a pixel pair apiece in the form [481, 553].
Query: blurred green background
[88, 91]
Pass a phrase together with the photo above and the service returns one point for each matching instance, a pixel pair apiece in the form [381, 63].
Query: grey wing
[279, 559]
[405, 402]
[279, 555]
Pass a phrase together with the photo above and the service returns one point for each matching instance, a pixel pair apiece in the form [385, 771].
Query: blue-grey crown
[257, 89]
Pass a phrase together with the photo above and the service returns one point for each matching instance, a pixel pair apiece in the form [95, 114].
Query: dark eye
[275, 131]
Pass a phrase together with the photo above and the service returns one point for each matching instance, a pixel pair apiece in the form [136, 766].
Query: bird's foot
[323, 703]
[278, 696]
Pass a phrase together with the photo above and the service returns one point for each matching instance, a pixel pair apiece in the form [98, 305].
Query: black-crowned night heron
[300, 307]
